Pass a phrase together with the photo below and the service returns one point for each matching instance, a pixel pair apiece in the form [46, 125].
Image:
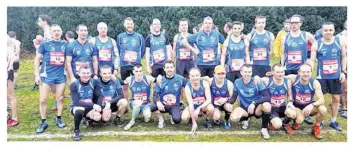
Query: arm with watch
[321, 100]
[265, 97]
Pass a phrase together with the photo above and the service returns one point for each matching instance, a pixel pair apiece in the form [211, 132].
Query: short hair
[100, 23]
[286, 21]
[246, 66]
[259, 17]
[305, 64]
[46, 18]
[194, 68]
[183, 19]
[207, 18]
[236, 23]
[327, 23]
[156, 19]
[299, 16]
[229, 25]
[55, 25]
[168, 62]
[138, 65]
[70, 34]
[85, 66]
[105, 67]
[276, 65]
[128, 19]
[12, 34]
[78, 26]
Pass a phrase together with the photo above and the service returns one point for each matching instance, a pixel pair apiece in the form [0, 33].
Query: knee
[123, 102]
[176, 119]
[78, 113]
[276, 123]
[299, 119]
[322, 109]
[266, 107]
[43, 100]
[335, 98]
[290, 113]
[216, 116]
[210, 108]
[60, 99]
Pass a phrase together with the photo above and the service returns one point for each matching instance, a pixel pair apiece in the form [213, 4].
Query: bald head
[102, 29]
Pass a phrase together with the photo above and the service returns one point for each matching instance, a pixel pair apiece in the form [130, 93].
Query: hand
[159, 79]
[148, 69]
[342, 78]
[95, 77]
[97, 107]
[194, 127]
[229, 106]
[243, 36]
[107, 113]
[268, 74]
[160, 106]
[113, 78]
[221, 101]
[195, 113]
[251, 109]
[37, 80]
[196, 51]
[307, 110]
[138, 103]
[290, 105]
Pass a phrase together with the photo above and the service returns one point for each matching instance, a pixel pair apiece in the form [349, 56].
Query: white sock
[333, 120]
[14, 118]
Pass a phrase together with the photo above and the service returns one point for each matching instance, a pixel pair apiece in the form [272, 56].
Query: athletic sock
[286, 120]
[265, 119]
[227, 116]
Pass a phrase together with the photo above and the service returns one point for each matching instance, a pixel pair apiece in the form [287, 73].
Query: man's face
[220, 76]
[286, 27]
[305, 72]
[138, 72]
[236, 30]
[102, 29]
[194, 76]
[183, 25]
[328, 31]
[246, 73]
[207, 25]
[85, 75]
[295, 23]
[56, 32]
[106, 74]
[278, 72]
[260, 24]
[169, 69]
[129, 25]
[82, 32]
[156, 26]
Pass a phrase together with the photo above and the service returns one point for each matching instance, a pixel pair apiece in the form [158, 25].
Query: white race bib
[104, 55]
[237, 64]
[158, 55]
[208, 55]
[57, 58]
[130, 56]
[184, 54]
[330, 66]
[294, 57]
[260, 54]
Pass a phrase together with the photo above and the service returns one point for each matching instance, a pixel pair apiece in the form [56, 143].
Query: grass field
[29, 117]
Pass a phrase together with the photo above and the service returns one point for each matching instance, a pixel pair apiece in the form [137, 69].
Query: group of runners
[207, 70]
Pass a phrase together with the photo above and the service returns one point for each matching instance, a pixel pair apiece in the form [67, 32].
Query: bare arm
[310, 37]
[247, 52]
[187, 45]
[127, 80]
[283, 57]
[95, 65]
[272, 43]
[189, 99]
[36, 64]
[224, 51]
[291, 77]
[148, 57]
[230, 88]
[289, 92]
[343, 54]
[116, 56]
[69, 67]
[314, 48]
[206, 86]
[174, 46]
[318, 93]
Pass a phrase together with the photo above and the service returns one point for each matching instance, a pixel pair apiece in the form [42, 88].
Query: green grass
[29, 117]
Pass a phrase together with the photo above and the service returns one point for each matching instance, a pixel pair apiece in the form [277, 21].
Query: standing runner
[131, 47]
[207, 47]
[12, 120]
[158, 50]
[236, 51]
[331, 55]
[51, 75]
[16, 64]
[261, 44]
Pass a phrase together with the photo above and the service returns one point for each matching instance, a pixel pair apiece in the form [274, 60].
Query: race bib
[208, 55]
[184, 54]
[104, 55]
[57, 58]
[277, 101]
[158, 55]
[79, 64]
[141, 96]
[198, 100]
[130, 56]
[169, 99]
[260, 54]
[330, 66]
[303, 98]
[107, 98]
[86, 100]
[294, 57]
[237, 64]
